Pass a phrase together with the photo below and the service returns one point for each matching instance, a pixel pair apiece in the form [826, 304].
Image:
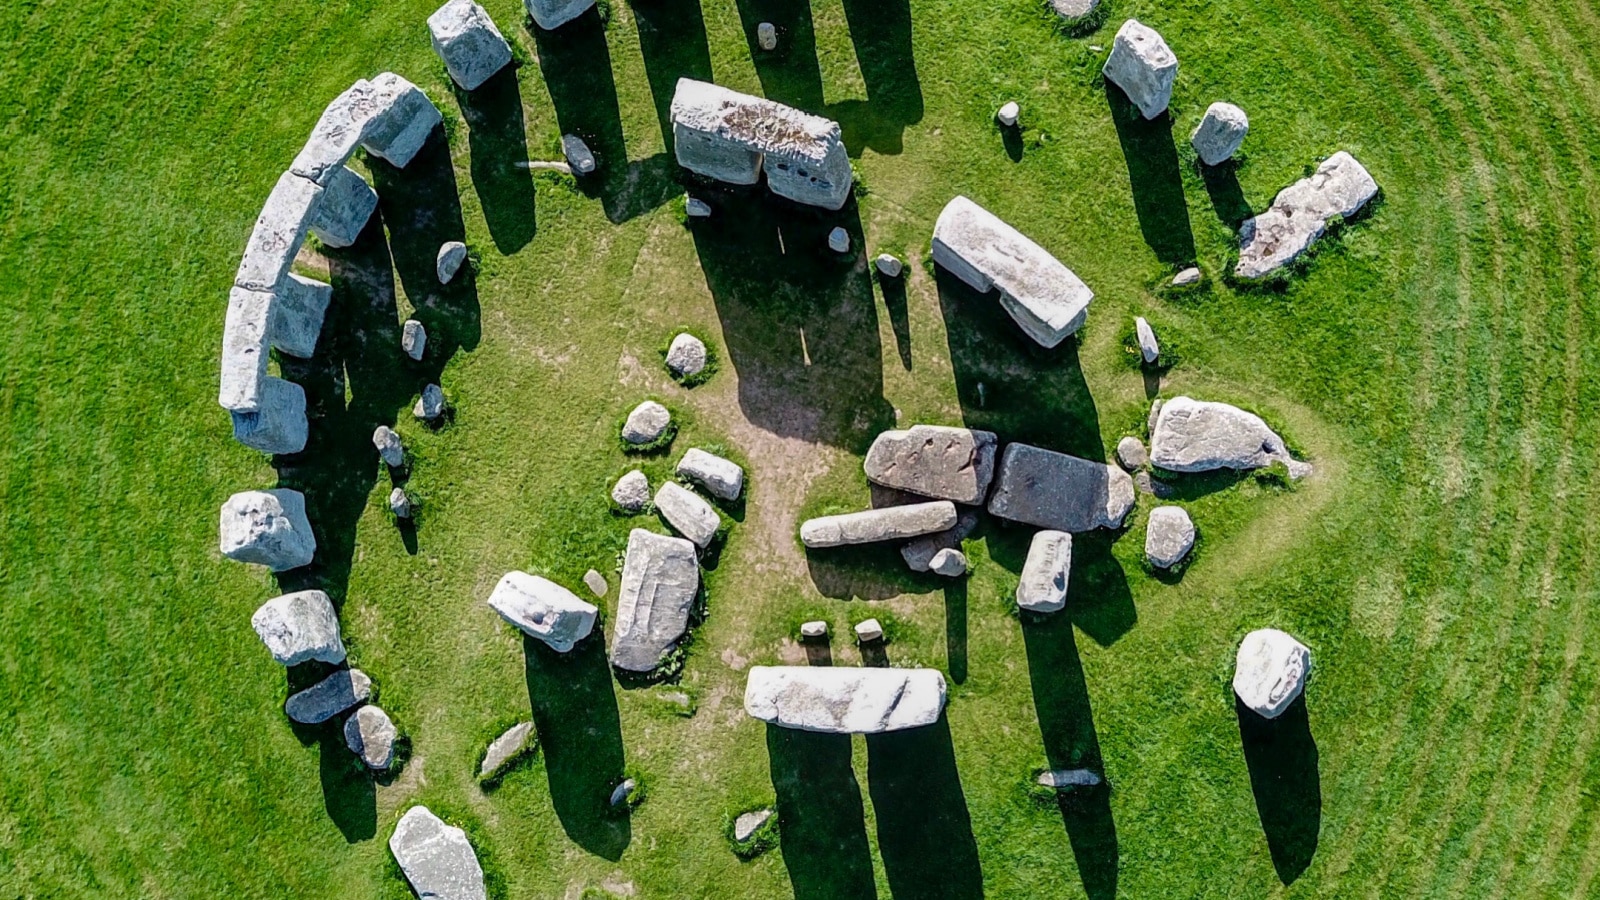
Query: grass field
[1436, 362]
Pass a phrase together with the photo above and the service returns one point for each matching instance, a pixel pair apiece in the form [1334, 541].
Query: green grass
[1435, 361]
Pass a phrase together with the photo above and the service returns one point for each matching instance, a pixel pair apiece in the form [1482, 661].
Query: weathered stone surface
[342, 212]
[660, 577]
[400, 503]
[505, 749]
[579, 157]
[890, 523]
[697, 208]
[869, 631]
[278, 424]
[889, 266]
[747, 824]
[413, 339]
[1046, 573]
[1200, 436]
[245, 332]
[919, 553]
[839, 240]
[451, 255]
[466, 39]
[299, 627]
[949, 562]
[686, 356]
[1074, 11]
[723, 478]
[813, 630]
[542, 609]
[268, 528]
[329, 697]
[1270, 671]
[844, 700]
[430, 406]
[370, 734]
[436, 858]
[631, 493]
[1054, 490]
[687, 513]
[403, 119]
[1144, 67]
[1168, 536]
[1300, 214]
[767, 36]
[298, 308]
[1155, 412]
[647, 422]
[1186, 277]
[1220, 132]
[1149, 347]
[336, 135]
[1060, 779]
[934, 461]
[1131, 454]
[390, 449]
[279, 232]
[550, 14]
[1043, 296]
[1008, 114]
[596, 583]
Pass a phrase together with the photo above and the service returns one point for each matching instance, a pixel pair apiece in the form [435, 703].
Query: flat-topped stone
[1220, 133]
[431, 405]
[370, 734]
[631, 493]
[1043, 296]
[413, 339]
[390, 449]
[278, 424]
[660, 579]
[687, 513]
[279, 232]
[596, 583]
[402, 120]
[436, 859]
[887, 524]
[686, 356]
[841, 700]
[919, 553]
[400, 503]
[329, 697]
[646, 423]
[1168, 536]
[934, 461]
[1008, 113]
[1201, 436]
[1144, 67]
[869, 631]
[1065, 493]
[1300, 214]
[268, 528]
[551, 14]
[300, 627]
[344, 209]
[949, 562]
[506, 749]
[542, 609]
[839, 240]
[1046, 572]
[889, 265]
[452, 254]
[1270, 671]
[722, 478]
[468, 42]
[813, 630]
[1131, 454]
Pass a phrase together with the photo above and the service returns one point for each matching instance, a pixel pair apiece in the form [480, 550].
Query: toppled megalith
[1045, 574]
[660, 578]
[733, 137]
[1300, 214]
[1142, 65]
[843, 700]
[549, 14]
[468, 42]
[722, 478]
[687, 513]
[1043, 296]
[1201, 436]
[1060, 492]
[934, 461]
[299, 627]
[329, 697]
[890, 523]
[542, 609]
[436, 858]
[268, 528]
[1270, 671]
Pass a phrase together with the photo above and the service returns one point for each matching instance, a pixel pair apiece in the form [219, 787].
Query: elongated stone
[542, 609]
[329, 697]
[1046, 573]
[843, 700]
[934, 461]
[890, 523]
[436, 858]
[687, 513]
[1300, 214]
[660, 578]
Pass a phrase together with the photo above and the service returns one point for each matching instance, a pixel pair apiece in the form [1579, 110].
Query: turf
[1435, 362]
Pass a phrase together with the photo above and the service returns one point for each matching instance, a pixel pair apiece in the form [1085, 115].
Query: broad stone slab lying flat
[370, 734]
[1270, 671]
[934, 461]
[1142, 65]
[1168, 536]
[268, 528]
[1220, 132]
[891, 523]
[919, 553]
[841, 700]
[549, 14]
[722, 478]
[1300, 214]
[660, 577]
[299, 627]
[505, 749]
[1065, 493]
[1045, 298]
[436, 858]
[542, 609]
[1200, 436]
[389, 447]
[1045, 574]
[687, 513]
[465, 38]
[329, 697]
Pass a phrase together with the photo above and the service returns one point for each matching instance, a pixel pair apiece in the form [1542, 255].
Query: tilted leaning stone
[370, 734]
[934, 461]
[723, 478]
[660, 578]
[548, 14]
[1201, 436]
[1300, 214]
[842, 700]
[300, 627]
[1060, 492]
[543, 609]
[436, 858]
[890, 523]
[687, 513]
[1270, 671]
[329, 697]
[466, 39]
[268, 528]
[1046, 573]
[1045, 298]
[1142, 65]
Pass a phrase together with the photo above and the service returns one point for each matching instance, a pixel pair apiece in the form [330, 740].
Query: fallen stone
[465, 38]
[1043, 296]
[697, 208]
[722, 478]
[1149, 348]
[624, 790]
[1220, 132]
[686, 356]
[268, 528]
[1075, 11]
[1186, 277]
[299, 627]
[579, 157]
[934, 461]
[1144, 67]
[1061, 492]
[1131, 454]
[1199, 436]
[399, 503]
[1270, 671]
[844, 700]
[1300, 214]
[329, 697]
[839, 240]
[542, 609]
[436, 858]
[1008, 114]
[430, 406]
[687, 513]
[343, 210]
[949, 562]
[1168, 536]
[278, 425]
[451, 255]
[390, 449]
[413, 339]
[632, 492]
[552, 14]
[889, 266]
[890, 523]
[767, 36]
[648, 422]
[402, 118]
[1046, 573]
[919, 553]
[506, 749]
[370, 735]
[1060, 779]
[660, 578]
[814, 630]
[869, 631]
[596, 583]
[747, 824]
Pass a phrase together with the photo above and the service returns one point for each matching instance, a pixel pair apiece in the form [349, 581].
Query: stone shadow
[822, 831]
[789, 74]
[1227, 197]
[924, 828]
[580, 735]
[899, 310]
[498, 137]
[348, 792]
[1153, 170]
[881, 32]
[672, 39]
[1282, 757]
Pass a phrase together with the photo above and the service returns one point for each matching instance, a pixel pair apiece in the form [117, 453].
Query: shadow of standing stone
[1282, 757]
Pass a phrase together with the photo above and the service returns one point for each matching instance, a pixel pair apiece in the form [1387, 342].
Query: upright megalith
[542, 609]
[404, 119]
[389, 447]
[466, 39]
[1202, 436]
[722, 478]
[734, 137]
[1060, 492]
[1144, 67]
[889, 523]
[436, 859]
[1220, 133]
[934, 461]
[268, 528]
[1043, 296]
[1270, 671]
[842, 700]
[300, 627]
[278, 424]
[1300, 214]
[346, 205]
[549, 14]
[660, 580]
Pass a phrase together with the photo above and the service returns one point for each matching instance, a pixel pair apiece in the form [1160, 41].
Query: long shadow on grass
[672, 39]
[1066, 722]
[1152, 160]
[348, 793]
[1227, 197]
[881, 32]
[1282, 757]
[924, 829]
[498, 137]
[821, 829]
[789, 74]
[580, 732]
[1099, 600]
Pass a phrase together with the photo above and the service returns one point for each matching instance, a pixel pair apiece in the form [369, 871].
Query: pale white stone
[370, 734]
[542, 609]
[934, 461]
[596, 583]
[889, 266]
[686, 355]
[1200, 436]
[299, 627]
[919, 553]
[766, 36]
[337, 133]
[814, 629]
[1186, 277]
[268, 528]
[869, 631]
[747, 824]
[279, 232]
[1131, 454]
[1168, 536]
[329, 697]
[1220, 132]
[1065, 493]
[647, 422]
[505, 749]
[1008, 114]
[402, 119]
[660, 579]
[722, 478]
[1149, 348]
[413, 339]
[844, 700]
[346, 204]
[399, 503]
[1076, 11]
[889, 523]
[245, 332]
[687, 513]
[1144, 67]
[436, 858]
[1045, 574]
[469, 43]
[839, 240]
[430, 406]
[1300, 214]
[451, 255]
[1270, 671]
[299, 305]
[279, 424]
[390, 449]
[949, 562]
[552, 14]
[632, 492]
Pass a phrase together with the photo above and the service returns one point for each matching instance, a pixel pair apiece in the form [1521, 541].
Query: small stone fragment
[887, 524]
[370, 735]
[687, 513]
[1187, 277]
[844, 699]
[579, 157]
[814, 630]
[506, 749]
[889, 266]
[919, 553]
[1147, 485]
[934, 461]
[1149, 349]
[1155, 412]
[697, 208]
[413, 339]
[839, 240]
[329, 697]
[1168, 536]
[596, 583]
[1220, 132]
[299, 627]
[552, 14]
[1143, 66]
[686, 356]
[766, 36]
[451, 255]
[399, 503]
[949, 562]
[869, 631]
[1045, 574]
[1300, 214]
[436, 858]
[1073, 12]
[1270, 671]
[430, 406]
[390, 450]
[632, 492]
[542, 609]
[268, 528]
[647, 423]
[1131, 454]
[1060, 779]
[722, 478]
[1007, 116]
[469, 43]
[621, 793]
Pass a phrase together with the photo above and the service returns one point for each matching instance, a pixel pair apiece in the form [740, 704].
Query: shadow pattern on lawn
[924, 829]
[497, 135]
[1157, 181]
[821, 829]
[1282, 757]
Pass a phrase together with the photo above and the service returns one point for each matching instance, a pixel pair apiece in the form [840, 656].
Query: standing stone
[814, 630]
[1061, 492]
[329, 697]
[370, 735]
[399, 503]
[579, 157]
[1149, 348]
[839, 240]
[596, 583]
[506, 749]
[1144, 67]
[390, 450]
[660, 578]
[890, 523]
[1220, 132]
[723, 478]
[647, 423]
[889, 266]
[934, 461]
[1187, 277]
[624, 790]
[1008, 114]
[1300, 214]
[268, 528]
[1198, 436]
[1131, 454]
[844, 700]
[869, 631]
[436, 858]
[552, 14]
[299, 627]
[451, 255]
[1073, 12]
[1270, 671]
[430, 406]
[278, 424]
[949, 562]
[689, 515]
[413, 339]
[1155, 413]
[919, 553]
[1045, 574]
[465, 38]
[747, 824]
[397, 133]
[697, 208]
[542, 609]
[344, 208]
[1168, 536]
[767, 36]
[686, 356]
[632, 492]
